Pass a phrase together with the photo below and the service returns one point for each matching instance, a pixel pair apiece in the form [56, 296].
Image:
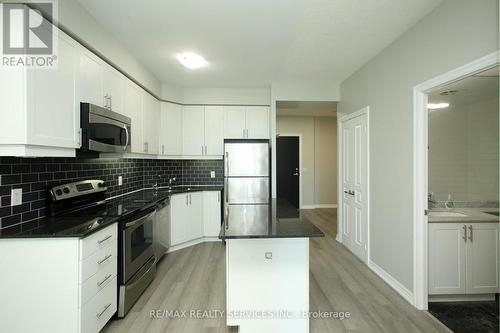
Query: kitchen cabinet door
[211, 213]
[447, 264]
[133, 109]
[257, 122]
[482, 258]
[193, 130]
[214, 130]
[234, 122]
[90, 79]
[150, 121]
[112, 82]
[179, 218]
[171, 129]
[53, 109]
[195, 215]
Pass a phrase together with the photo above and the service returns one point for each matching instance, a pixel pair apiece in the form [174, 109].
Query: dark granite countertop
[81, 224]
[284, 221]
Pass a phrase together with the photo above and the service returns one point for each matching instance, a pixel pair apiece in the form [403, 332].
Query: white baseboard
[319, 206]
[461, 298]
[392, 282]
[193, 242]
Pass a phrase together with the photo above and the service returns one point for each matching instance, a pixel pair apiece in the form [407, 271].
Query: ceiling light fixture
[436, 106]
[191, 60]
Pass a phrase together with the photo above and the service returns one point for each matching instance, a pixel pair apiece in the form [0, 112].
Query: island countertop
[283, 221]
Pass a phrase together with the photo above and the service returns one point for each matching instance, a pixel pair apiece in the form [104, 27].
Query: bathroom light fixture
[191, 60]
[435, 106]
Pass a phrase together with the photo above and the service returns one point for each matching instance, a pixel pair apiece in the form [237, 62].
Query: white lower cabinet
[194, 215]
[463, 258]
[211, 213]
[66, 284]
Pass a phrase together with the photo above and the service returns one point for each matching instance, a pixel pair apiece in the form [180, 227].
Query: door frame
[340, 174]
[420, 169]
[300, 165]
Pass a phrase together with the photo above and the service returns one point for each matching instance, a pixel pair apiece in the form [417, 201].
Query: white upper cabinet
[90, 79]
[257, 122]
[133, 108]
[214, 130]
[170, 129]
[112, 88]
[250, 122]
[234, 122]
[150, 121]
[193, 130]
[39, 108]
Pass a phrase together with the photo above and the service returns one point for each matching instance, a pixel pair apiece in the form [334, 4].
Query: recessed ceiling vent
[448, 93]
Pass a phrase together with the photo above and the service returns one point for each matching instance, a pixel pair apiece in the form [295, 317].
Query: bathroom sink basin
[446, 214]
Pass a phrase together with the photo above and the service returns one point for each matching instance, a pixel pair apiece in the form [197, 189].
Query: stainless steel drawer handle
[103, 310]
[104, 239]
[105, 279]
[104, 259]
[465, 233]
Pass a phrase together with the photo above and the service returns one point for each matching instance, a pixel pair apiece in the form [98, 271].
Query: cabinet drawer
[97, 241]
[98, 282]
[101, 260]
[97, 311]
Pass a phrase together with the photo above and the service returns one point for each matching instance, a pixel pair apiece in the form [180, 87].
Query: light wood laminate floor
[194, 279]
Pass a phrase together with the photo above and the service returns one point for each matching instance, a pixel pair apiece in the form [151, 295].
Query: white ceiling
[481, 86]
[254, 43]
[301, 108]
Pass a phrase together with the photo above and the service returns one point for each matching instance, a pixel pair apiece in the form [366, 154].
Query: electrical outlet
[212, 174]
[120, 180]
[16, 197]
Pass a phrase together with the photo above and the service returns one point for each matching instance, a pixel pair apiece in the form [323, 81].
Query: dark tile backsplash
[34, 175]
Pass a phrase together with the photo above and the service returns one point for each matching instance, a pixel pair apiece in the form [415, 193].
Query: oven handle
[127, 137]
[139, 220]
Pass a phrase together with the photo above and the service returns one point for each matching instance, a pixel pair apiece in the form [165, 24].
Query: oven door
[138, 245]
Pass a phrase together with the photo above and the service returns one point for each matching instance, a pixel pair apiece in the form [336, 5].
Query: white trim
[462, 298]
[301, 195]
[340, 195]
[391, 281]
[420, 177]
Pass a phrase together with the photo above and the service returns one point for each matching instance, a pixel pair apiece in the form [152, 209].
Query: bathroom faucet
[431, 200]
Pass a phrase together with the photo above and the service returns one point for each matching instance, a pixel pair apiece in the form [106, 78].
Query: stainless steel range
[136, 252]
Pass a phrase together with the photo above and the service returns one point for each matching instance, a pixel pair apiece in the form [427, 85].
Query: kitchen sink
[446, 214]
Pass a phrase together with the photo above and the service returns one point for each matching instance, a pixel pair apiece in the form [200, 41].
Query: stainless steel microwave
[104, 130]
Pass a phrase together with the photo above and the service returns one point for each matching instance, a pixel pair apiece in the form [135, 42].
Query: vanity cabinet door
[482, 258]
[447, 258]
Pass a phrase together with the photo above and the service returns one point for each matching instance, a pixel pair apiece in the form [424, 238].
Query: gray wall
[455, 33]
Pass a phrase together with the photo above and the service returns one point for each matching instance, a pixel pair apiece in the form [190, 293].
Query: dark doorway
[287, 169]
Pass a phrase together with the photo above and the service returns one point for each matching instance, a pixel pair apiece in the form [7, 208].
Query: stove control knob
[58, 192]
[66, 190]
[101, 185]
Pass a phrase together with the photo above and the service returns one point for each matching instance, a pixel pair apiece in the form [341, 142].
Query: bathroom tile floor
[467, 317]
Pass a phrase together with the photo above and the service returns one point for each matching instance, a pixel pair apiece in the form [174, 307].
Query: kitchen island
[267, 269]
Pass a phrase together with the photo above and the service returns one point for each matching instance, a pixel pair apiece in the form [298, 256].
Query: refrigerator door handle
[227, 163]
[226, 191]
[226, 218]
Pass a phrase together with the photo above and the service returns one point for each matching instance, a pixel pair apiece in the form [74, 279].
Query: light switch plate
[120, 180]
[16, 197]
[212, 174]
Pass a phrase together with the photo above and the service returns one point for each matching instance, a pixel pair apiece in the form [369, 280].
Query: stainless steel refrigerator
[247, 181]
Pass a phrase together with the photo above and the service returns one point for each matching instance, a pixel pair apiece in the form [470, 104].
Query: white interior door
[355, 184]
